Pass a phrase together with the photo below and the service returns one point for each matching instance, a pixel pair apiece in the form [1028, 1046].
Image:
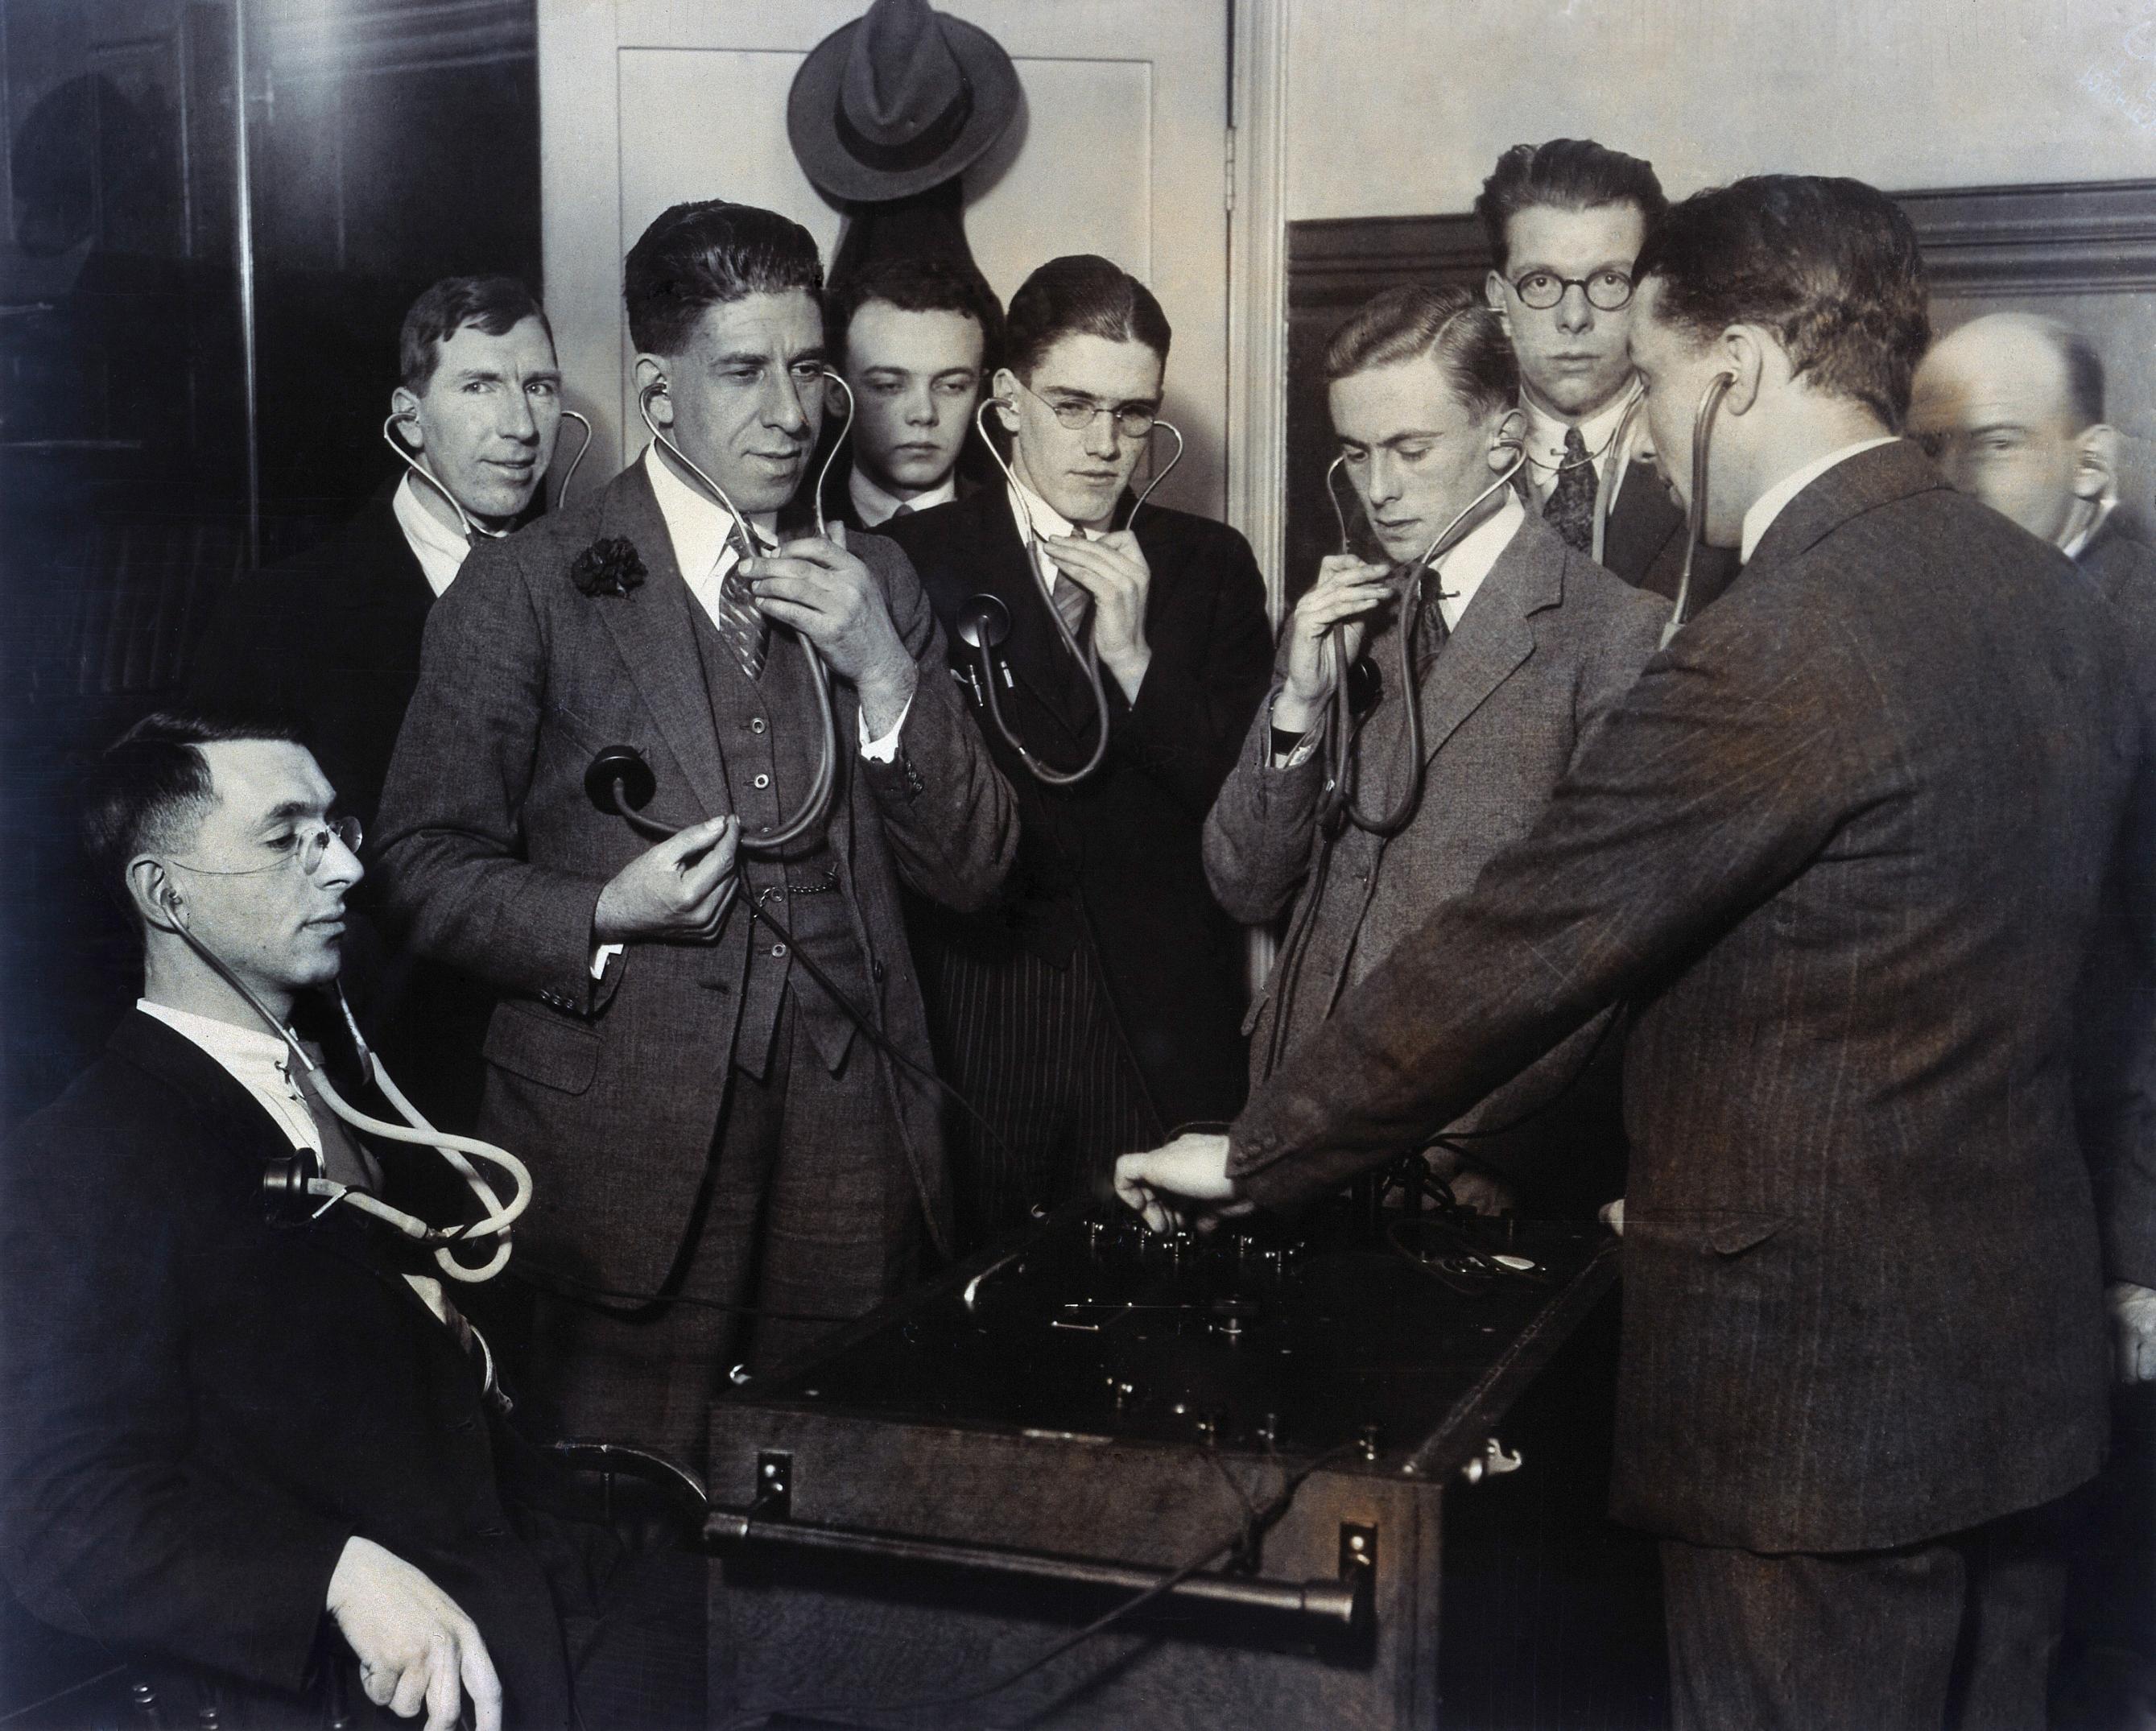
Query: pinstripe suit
[1845, 838]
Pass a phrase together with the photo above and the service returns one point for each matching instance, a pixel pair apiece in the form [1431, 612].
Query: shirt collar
[1461, 571]
[254, 1057]
[1029, 507]
[440, 549]
[876, 507]
[2074, 546]
[1770, 504]
[1546, 434]
[697, 526]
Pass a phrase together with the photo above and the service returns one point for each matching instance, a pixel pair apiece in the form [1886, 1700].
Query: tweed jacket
[495, 857]
[1550, 641]
[1844, 840]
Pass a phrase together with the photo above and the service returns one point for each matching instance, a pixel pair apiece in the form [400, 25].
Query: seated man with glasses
[242, 1454]
[1565, 221]
[1100, 996]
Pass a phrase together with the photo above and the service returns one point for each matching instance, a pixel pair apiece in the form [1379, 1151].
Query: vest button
[755, 724]
[778, 950]
[875, 972]
[760, 781]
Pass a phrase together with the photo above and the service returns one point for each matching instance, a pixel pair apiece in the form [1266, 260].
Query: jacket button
[875, 972]
[755, 724]
[760, 781]
[779, 949]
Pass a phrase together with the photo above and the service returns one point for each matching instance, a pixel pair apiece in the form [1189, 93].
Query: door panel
[1119, 148]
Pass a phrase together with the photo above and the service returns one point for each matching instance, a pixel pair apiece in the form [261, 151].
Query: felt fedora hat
[897, 101]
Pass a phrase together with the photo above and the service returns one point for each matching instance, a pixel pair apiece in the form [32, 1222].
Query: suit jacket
[1549, 643]
[1643, 542]
[838, 498]
[1843, 843]
[495, 856]
[1114, 860]
[2116, 1077]
[332, 639]
[198, 1407]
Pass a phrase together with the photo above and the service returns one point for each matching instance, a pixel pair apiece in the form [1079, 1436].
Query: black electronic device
[988, 1463]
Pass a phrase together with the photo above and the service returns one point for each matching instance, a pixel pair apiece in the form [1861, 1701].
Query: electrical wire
[1242, 1538]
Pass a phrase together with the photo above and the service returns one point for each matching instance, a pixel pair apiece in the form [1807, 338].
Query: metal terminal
[1493, 1462]
[1358, 1550]
[774, 1485]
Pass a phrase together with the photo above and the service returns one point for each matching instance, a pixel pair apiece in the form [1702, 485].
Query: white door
[1120, 148]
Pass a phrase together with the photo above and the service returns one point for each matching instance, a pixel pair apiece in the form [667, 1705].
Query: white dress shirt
[1029, 507]
[1770, 504]
[876, 507]
[1545, 442]
[440, 549]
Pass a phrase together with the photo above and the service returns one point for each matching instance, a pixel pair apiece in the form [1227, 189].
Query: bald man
[2012, 408]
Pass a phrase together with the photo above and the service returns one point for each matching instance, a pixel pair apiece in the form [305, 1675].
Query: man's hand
[828, 595]
[1112, 570]
[2134, 1330]
[415, 1647]
[1186, 1181]
[679, 888]
[1347, 591]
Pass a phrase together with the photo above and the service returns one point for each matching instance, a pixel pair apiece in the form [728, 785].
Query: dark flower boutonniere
[611, 567]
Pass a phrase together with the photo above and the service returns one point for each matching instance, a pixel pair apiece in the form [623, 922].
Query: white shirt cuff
[601, 955]
[885, 749]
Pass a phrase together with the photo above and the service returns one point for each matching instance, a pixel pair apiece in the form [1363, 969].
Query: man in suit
[1841, 847]
[913, 336]
[1565, 221]
[224, 1435]
[709, 1127]
[332, 638]
[1095, 1006]
[2012, 409]
[1522, 643]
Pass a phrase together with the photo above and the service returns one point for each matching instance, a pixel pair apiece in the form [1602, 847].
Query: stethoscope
[292, 1184]
[1337, 802]
[1703, 430]
[984, 624]
[620, 778]
[425, 471]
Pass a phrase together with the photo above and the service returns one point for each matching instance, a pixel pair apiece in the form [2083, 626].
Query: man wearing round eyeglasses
[1100, 994]
[1565, 220]
[224, 1430]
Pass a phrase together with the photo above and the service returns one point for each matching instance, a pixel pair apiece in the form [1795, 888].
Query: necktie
[747, 633]
[1570, 508]
[1072, 601]
[1431, 633]
[343, 1159]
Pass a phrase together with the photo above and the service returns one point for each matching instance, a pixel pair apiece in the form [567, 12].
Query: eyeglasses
[1077, 413]
[306, 850]
[1606, 290]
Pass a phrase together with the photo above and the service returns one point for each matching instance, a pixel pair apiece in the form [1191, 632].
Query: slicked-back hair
[706, 254]
[1081, 295]
[1831, 266]
[496, 305]
[1569, 173]
[150, 787]
[914, 283]
[1454, 326]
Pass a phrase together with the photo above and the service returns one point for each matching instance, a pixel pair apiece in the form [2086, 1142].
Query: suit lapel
[652, 629]
[1494, 637]
[1035, 651]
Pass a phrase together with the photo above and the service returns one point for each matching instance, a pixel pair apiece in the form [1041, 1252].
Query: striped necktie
[1071, 599]
[747, 633]
[1570, 507]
